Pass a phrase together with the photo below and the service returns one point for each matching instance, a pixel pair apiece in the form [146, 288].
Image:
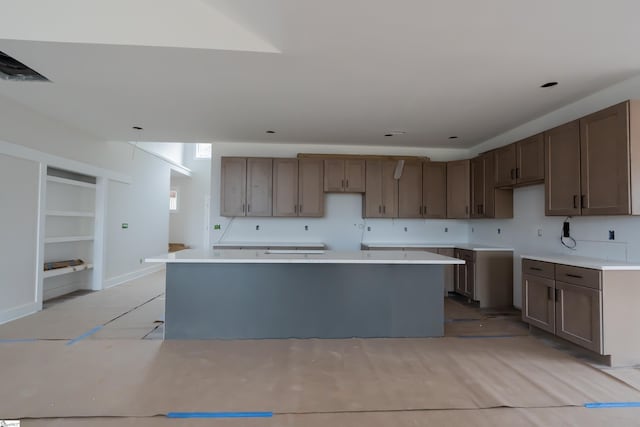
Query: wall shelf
[70, 182]
[71, 214]
[64, 239]
[66, 270]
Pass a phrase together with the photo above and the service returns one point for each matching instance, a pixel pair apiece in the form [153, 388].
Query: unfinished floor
[98, 360]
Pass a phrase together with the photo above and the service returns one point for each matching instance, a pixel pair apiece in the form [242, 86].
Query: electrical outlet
[368, 228]
[405, 229]
[539, 232]
[446, 229]
[257, 227]
[306, 228]
[141, 260]
[472, 229]
[499, 231]
[612, 235]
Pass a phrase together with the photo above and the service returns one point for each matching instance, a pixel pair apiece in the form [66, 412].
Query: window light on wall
[203, 151]
[173, 200]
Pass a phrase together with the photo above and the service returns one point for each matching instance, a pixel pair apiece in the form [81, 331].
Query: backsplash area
[342, 227]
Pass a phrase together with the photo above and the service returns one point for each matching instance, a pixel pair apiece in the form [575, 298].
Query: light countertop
[577, 261]
[467, 246]
[314, 245]
[253, 256]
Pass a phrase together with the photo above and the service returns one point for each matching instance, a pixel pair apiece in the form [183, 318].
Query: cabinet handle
[295, 209]
[517, 173]
[466, 210]
[575, 201]
[243, 210]
[582, 201]
[425, 209]
[384, 209]
[347, 186]
[379, 209]
[550, 293]
[342, 183]
[299, 208]
[420, 210]
[575, 276]
[513, 174]
[557, 294]
[249, 207]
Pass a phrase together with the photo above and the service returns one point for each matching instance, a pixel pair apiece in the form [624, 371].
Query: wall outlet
[499, 231]
[257, 227]
[405, 229]
[446, 229]
[141, 260]
[612, 235]
[368, 228]
[472, 229]
[306, 228]
[539, 232]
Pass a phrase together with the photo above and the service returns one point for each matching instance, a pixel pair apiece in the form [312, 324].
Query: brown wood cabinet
[233, 186]
[381, 198]
[564, 300]
[410, 190]
[298, 187]
[245, 186]
[520, 163]
[486, 277]
[592, 165]
[259, 186]
[434, 190]
[344, 175]
[486, 200]
[458, 189]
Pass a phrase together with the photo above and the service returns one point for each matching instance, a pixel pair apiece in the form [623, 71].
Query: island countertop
[251, 256]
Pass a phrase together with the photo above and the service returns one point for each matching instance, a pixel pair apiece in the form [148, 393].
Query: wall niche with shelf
[69, 233]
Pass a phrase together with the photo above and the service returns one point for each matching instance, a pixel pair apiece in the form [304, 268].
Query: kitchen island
[253, 294]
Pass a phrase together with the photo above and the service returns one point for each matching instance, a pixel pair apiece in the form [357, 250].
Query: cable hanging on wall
[565, 236]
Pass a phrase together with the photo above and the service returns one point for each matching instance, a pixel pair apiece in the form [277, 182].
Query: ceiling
[314, 71]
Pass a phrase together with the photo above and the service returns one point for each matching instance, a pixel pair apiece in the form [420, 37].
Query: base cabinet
[589, 307]
[485, 277]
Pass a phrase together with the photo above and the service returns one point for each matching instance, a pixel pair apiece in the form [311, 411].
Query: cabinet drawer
[538, 268]
[586, 277]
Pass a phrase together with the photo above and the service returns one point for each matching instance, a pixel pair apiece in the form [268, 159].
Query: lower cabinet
[588, 307]
[485, 277]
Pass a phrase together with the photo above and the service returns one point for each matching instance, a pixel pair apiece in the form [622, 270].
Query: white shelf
[71, 214]
[65, 239]
[70, 182]
[66, 270]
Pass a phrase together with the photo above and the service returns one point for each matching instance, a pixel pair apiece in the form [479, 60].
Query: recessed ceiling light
[271, 131]
[549, 84]
[136, 128]
[388, 134]
[453, 137]
[395, 132]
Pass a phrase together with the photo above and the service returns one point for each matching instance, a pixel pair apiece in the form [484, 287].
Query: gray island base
[316, 299]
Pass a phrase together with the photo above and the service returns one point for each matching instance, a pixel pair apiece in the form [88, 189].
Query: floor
[98, 359]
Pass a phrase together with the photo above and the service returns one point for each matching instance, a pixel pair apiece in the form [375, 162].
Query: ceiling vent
[12, 69]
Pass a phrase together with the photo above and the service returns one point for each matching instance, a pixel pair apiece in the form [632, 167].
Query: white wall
[172, 151]
[342, 227]
[180, 217]
[196, 204]
[591, 233]
[142, 203]
[18, 227]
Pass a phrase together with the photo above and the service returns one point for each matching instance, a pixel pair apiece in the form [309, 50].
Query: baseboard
[14, 313]
[118, 280]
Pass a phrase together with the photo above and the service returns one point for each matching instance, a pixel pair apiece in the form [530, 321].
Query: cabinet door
[578, 315]
[538, 302]
[449, 271]
[259, 185]
[530, 160]
[562, 170]
[458, 189]
[470, 288]
[434, 189]
[604, 143]
[389, 190]
[354, 176]
[410, 191]
[334, 175]
[285, 187]
[372, 200]
[505, 166]
[478, 201]
[233, 186]
[310, 183]
[460, 285]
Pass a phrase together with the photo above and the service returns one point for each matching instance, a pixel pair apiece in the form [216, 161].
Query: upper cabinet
[410, 187]
[458, 189]
[381, 197]
[593, 164]
[245, 186]
[520, 163]
[298, 187]
[434, 189]
[344, 175]
[486, 200]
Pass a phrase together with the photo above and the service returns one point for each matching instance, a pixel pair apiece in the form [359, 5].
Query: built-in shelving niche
[69, 231]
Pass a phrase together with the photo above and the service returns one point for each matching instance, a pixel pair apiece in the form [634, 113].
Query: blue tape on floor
[220, 415]
[487, 336]
[596, 405]
[19, 340]
[85, 335]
